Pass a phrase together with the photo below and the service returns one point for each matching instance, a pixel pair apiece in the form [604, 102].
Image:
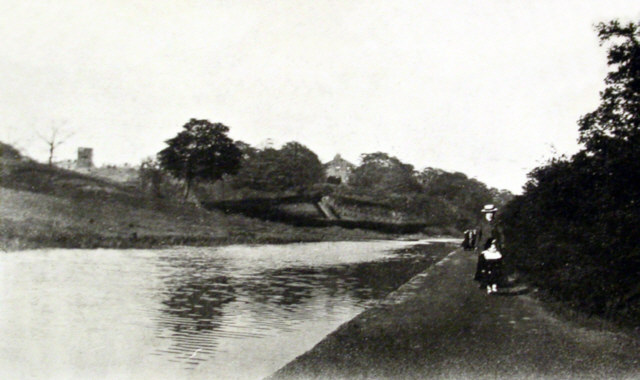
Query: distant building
[85, 158]
[125, 173]
[83, 163]
[338, 170]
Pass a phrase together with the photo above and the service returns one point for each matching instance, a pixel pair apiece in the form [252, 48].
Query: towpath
[440, 325]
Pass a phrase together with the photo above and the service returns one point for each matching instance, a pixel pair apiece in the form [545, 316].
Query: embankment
[440, 325]
[43, 206]
[301, 211]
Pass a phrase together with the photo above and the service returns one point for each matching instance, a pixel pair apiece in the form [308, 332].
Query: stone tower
[85, 158]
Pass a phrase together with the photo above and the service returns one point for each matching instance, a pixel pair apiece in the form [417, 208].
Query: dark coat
[487, 233]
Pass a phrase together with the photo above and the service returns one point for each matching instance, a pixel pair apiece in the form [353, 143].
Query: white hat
[488, 209]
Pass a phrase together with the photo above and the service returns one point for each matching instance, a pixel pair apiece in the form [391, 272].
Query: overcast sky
[488, 88]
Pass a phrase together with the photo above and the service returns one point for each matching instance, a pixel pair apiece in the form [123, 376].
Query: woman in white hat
[487, 234]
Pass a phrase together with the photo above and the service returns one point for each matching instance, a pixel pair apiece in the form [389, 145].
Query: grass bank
[43, 206]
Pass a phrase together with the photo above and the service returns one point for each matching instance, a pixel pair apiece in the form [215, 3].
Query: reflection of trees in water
[374, 280]
[192, 315]
[198, 295]
[198, 292]
[283, 287]
[192, 311]
[200, 300]
[361, 281]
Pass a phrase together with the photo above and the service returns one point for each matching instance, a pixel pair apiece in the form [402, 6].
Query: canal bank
[440, 325]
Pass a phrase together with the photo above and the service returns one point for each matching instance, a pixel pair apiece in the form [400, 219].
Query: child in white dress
[492, 267]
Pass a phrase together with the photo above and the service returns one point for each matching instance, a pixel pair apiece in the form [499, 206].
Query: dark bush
[574, 231]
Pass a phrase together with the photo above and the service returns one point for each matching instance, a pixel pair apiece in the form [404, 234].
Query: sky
[488, 88]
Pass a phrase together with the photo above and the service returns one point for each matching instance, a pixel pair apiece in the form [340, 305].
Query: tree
[617, 118]
[381, 173]
[150, 177]
[246, 149]
[259, 170]
[500, 197]
[300, 167]
[465, 195]
[201, 151]
[574, 229]
[54, 137]
[292, 167]
[611, 133]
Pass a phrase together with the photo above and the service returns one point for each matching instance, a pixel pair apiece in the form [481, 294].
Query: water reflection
[200, 301]
[197, 313]
[211, 296]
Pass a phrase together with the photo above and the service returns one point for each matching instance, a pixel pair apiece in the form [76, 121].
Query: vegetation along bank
[574, 231]
[250, 195]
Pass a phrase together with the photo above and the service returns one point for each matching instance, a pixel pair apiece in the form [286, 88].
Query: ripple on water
[199, 310]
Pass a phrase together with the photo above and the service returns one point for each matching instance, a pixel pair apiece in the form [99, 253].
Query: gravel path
[440, 325]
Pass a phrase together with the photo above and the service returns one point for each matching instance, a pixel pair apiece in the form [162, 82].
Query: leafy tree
[259, 170]
[433, 196]
[429, 174]
[381, 173]
[500, 197]
[465, 195]
[618, 116]
[300, 167]
[611, 133]
[292, 167]
[574, 229]
[201, 151]
[246, 150]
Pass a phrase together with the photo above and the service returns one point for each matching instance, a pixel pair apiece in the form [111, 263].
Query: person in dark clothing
[469, 241]
[487, 235]
[492, 267]
[466, 244]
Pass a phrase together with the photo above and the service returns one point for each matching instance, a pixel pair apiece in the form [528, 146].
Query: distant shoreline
[17, 243]
[43, 206]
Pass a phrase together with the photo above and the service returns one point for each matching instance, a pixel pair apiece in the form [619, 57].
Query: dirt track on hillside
[440, 325]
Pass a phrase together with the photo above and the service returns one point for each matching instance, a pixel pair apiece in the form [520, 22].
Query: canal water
[236, 312]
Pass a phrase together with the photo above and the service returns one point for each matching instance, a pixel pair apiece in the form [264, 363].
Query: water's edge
[402, 292]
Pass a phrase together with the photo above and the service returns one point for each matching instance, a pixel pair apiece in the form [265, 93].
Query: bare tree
[55, 136]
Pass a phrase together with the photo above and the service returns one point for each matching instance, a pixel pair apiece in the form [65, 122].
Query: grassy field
[42, 206]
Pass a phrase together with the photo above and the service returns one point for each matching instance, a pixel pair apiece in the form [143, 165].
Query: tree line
[202, 152]
[574, 230]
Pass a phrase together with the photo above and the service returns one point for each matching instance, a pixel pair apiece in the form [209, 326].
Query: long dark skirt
[488, 272]
[493, 272]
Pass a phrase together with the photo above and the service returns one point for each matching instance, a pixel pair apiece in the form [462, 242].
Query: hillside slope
[42, 206]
